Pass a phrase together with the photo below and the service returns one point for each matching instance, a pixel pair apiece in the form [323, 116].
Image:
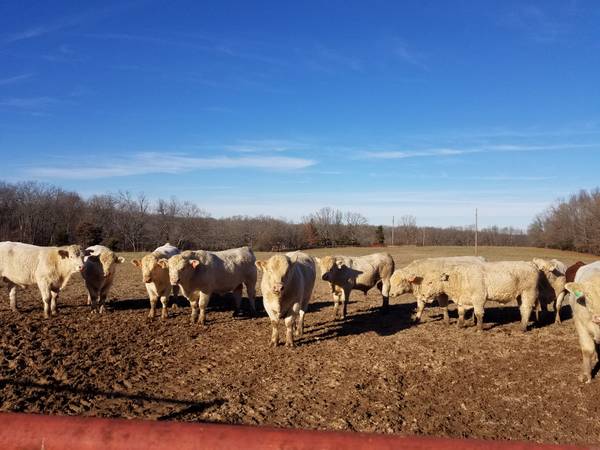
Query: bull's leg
[174, 291]
[478, 314]
[251, 291]
[420, 308]
[559, 302]
[588, 352]
[164, 300]
[289, 330]
[153, 300]
[528, 301]
[102, 298]
[203, 303]
[193, 299]
[385, 293]
[443, 302]
[237, 296]
[12, 295]
[53, 302]
[337, 299]
[46, 296]
[461, 316]
[102, 302]
[174, 294]
[274, 333]
[345, 305]
[300, 324]
[92, 297]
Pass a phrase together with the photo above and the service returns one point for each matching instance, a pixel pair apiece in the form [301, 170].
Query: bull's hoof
[164, 316]
[585, 378]
[273, 343]
[289, 344]
[54, 313]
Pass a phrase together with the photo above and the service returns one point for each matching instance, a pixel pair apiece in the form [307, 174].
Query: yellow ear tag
[578, 294]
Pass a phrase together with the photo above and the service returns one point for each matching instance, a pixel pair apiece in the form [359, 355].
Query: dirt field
[371, 372]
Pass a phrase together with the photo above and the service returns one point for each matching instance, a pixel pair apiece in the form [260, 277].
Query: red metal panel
[32, 431]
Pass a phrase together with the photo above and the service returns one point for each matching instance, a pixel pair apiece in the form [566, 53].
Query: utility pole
[393, 226]
[476, 232]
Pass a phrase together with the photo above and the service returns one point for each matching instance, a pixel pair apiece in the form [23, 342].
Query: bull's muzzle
[596, 319]
[325, 277]
[278, 289]
[147, 279]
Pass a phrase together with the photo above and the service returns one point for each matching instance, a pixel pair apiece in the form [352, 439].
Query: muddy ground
[371, 372]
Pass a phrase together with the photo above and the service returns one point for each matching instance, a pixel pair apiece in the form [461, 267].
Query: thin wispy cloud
[329, 60]
[165, 163]
[29, 102]
[462, 151]
[265, 145]
[537, 24]
[203, 44]
[63, 23]
[401, 50]
[64, 53]
[15, 79]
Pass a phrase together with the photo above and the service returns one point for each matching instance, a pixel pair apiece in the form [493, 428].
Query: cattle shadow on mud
[217, 303]
[497, 316]
[189, 406]
[144, 303]
[396, 318]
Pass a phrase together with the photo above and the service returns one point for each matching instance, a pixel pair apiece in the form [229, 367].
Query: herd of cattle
[288, 281]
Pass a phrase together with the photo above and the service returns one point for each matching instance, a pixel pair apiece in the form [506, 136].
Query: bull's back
[19, 262]
[505, 278]
[230, 268]
[587, 271]
[307, 270]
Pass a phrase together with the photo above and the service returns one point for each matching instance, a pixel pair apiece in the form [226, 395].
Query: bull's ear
[575, 288]
[414, 279]
[444, 277]
[539, 263]
[119, 259]
[260, 264]
[63, 254]
[136, 262]
[195, 263]
[163, 263]
[87, 252]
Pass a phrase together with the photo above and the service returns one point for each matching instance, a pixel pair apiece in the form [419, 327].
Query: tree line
[43, 214]
[570, 224]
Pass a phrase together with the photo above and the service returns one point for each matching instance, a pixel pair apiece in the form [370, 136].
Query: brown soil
[371, 372]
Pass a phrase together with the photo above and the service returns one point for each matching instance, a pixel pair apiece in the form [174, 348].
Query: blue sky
[429, 108]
